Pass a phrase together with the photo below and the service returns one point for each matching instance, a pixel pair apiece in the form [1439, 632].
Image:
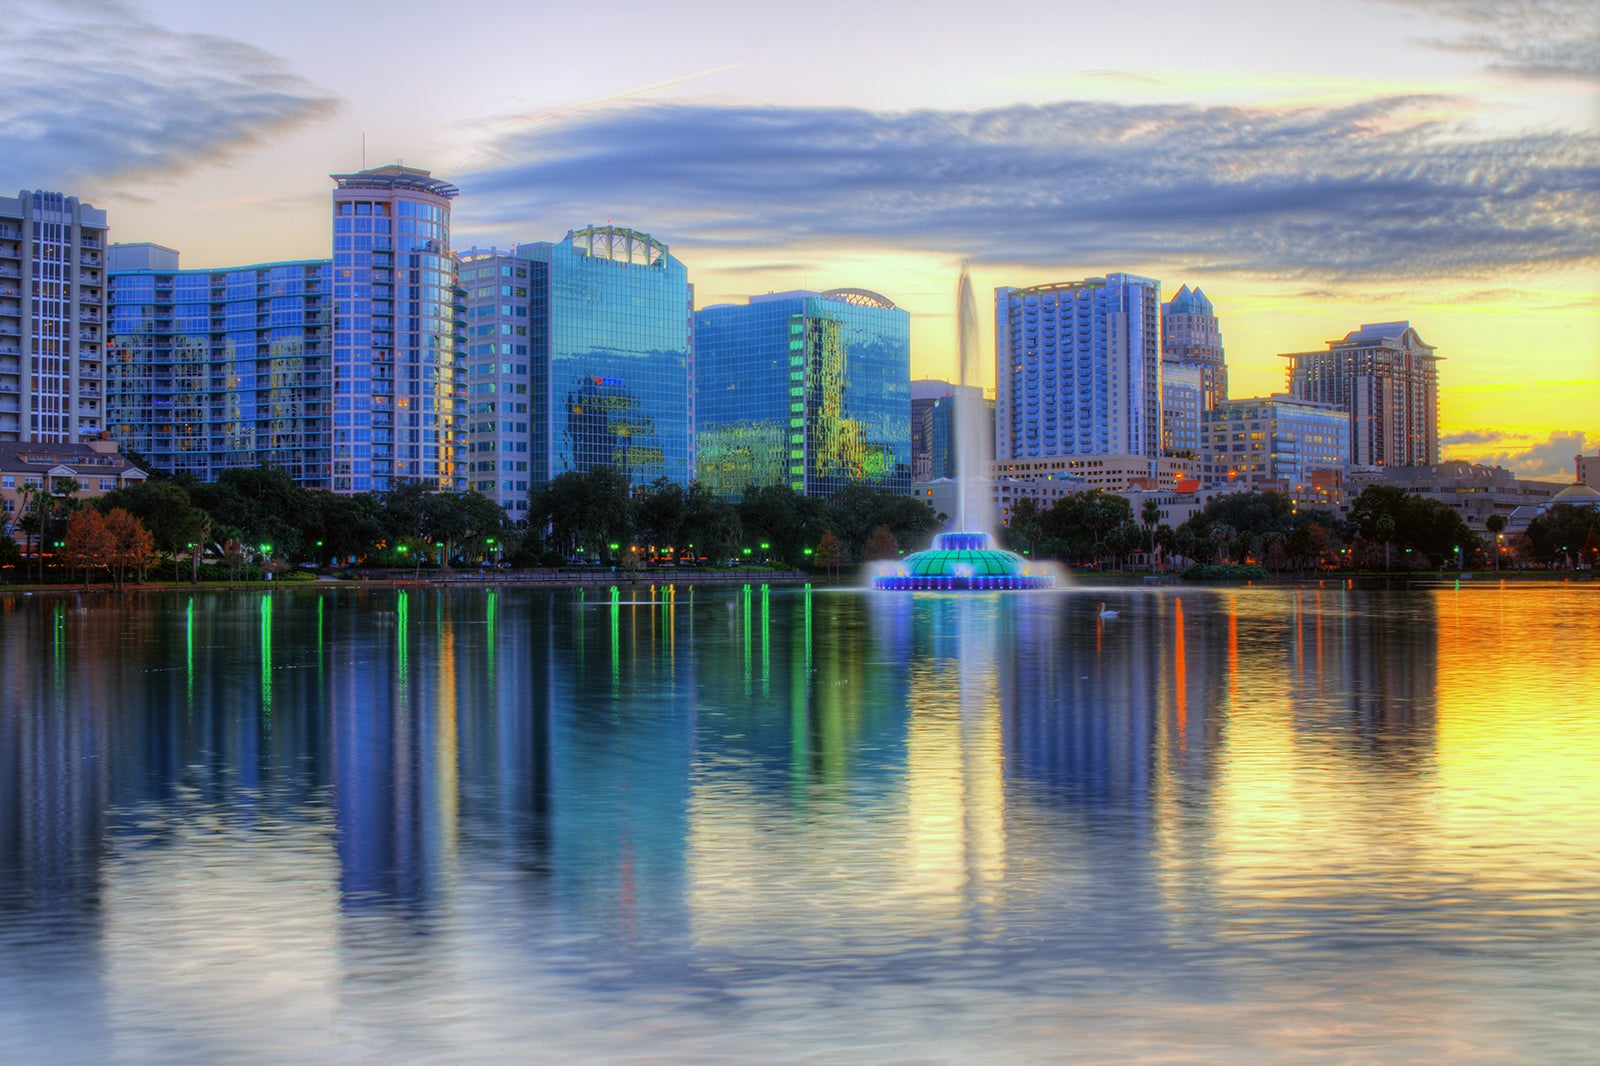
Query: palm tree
[1150, 514]
[1495, 524]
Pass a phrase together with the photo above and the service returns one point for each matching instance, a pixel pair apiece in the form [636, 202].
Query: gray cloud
[1531, 38]
[94, 88]
[1550, 459]
[1477, 436]
[1373, 190]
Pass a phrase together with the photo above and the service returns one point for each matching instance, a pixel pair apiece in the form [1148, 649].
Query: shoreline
[572, 579]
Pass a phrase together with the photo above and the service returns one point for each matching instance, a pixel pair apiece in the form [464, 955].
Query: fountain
[967, 560]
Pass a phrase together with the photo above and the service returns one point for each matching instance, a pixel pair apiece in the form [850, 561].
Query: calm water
[780, 825]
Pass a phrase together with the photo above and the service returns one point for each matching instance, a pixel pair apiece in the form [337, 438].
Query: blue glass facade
[1078, 369]
[612, 384]
[213, 369]
[810, 390]
[398, 321]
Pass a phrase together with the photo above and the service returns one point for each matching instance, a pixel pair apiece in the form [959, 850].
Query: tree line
[256, 520]
[1386, 529]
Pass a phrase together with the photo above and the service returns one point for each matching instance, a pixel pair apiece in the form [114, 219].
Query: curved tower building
[397, 314]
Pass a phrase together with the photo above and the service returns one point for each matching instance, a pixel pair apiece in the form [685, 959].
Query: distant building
[1476, 492]
[610, 358]
[1386, 379]
[1183, 403]
[1113, 473]
[805, 389]
[1275, 444]
[44, 466]
[1588, 470]
[1078, 369]
[398, 317]
[52, 318]
[1192, 337]
[504, 426]
[215, 369]
[935, 435]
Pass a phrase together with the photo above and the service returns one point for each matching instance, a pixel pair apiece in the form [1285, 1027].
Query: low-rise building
[97, 467]
[1475, 491]
[1275, 444]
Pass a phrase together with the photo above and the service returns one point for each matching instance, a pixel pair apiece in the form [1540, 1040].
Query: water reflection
[416, 821]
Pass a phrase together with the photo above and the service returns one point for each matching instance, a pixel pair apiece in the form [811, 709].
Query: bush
[1225, 572]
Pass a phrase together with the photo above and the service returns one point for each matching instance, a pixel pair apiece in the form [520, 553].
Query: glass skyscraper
[398, 318]
[1078, 369]
[804, 389]
[212, 369]
[611, 364]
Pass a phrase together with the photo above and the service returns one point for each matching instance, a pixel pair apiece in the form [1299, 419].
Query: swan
[1104, 612]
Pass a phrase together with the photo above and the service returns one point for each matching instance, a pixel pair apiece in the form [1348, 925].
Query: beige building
[97, 466]
[1385, 377]
[1475, 491]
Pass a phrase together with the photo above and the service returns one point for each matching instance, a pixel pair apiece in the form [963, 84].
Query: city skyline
[1283, 165]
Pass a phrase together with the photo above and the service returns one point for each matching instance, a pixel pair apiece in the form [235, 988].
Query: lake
[724, 824]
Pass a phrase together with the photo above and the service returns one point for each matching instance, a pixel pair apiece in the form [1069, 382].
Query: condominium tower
[504, 449]
[1386, 380]
[215, 369]
[1078, 369]
[398, 316]
[811, 390]
[52, 314]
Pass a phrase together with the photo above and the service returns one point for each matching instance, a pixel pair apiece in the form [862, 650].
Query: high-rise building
[1183, 403]
[935, 439]
[504, 445]
[1191, 336]
[1386, 379]
[230, 367]
[1275, 443]
[611, 363]
[805, 389]
[398, 316]
[52, 314]
[1079, 369]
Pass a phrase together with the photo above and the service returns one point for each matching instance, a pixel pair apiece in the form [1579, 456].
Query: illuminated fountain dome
[962, 562]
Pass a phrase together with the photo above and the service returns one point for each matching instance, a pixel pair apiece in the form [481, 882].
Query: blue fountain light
[962, 562]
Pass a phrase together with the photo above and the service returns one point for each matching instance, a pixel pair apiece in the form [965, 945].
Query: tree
[10, 554]
[881, 545]
[783, 518]
[830, 553]
[1079, 523]
[132, 546]
[1560, 535]
[1027, 523]
[710, 524]
[1150, 515]
[164, 508]
[89, 543]
[1495, 524]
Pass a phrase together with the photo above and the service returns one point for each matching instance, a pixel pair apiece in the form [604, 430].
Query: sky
[1311, 167]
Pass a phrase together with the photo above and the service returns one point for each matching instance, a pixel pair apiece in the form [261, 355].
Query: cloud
[1381, 189]
[1549, 460]
[1530, 38]
[1478, 436]
[93, 88]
